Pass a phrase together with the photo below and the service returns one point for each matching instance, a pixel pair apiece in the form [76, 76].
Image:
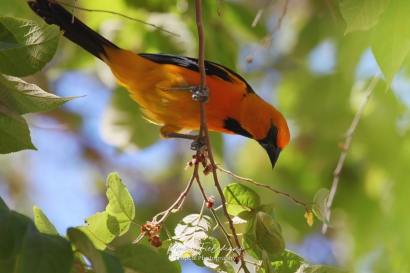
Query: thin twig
[201, 42]
[213, 211]
[73, 11]
[346, 145]
[266, 40]
[201, 65]
[116, 13]
[266, 187]
[260, 12]
[167, 231]
[178, 203]
[253, 263]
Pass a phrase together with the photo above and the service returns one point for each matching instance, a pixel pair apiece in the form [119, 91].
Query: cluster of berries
[211, 201]
[200, 159]
[151, 230]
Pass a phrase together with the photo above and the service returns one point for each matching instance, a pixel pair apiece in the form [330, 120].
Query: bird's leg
[196, 144]
[197, 93]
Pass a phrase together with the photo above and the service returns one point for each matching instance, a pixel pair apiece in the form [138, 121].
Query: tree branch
[204, 128]
[260, 12]
[266, 187]
[346, 145]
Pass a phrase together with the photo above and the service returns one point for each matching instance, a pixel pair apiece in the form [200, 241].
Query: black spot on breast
[234, 126]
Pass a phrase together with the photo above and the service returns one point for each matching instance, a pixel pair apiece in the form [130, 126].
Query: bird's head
[266, 125]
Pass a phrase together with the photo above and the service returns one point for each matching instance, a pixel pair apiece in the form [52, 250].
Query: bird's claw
[200, 95]
[198, 144]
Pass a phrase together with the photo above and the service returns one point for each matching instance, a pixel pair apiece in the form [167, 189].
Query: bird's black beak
[269, 144]
[274, 155]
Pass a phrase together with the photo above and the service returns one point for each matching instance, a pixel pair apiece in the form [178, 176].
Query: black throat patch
[234, 126]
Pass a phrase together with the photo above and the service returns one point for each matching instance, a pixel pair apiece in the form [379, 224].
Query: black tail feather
[77, 32]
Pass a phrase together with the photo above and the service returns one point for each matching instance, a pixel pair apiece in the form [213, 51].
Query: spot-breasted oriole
[152, 80]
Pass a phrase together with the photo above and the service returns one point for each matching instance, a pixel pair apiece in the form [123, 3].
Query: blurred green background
[313, 73]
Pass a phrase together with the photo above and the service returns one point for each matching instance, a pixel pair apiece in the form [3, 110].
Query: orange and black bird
[156, 82]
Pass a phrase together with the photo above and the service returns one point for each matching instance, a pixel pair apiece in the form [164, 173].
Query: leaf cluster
[37, 246]
[25, 48]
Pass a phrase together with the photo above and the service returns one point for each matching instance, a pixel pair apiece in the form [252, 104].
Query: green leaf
[323, 269]
[210, 249]
[241, 200]
[120, 205]
[42, 223]
[3, 206]
[144, 259]
[13, 226]
[266, 265]
[165, 248]
[44, 253]
[219, 265]
[389, 46]
[102, 227]
[236, 220]
[176, 250]
[288, 262]
[268, 234]
[249, 241]
[101, 262]
[362, 14]
[192, 230]
[80, 265]
[319, 207]
[23, 98]
[98, 229]
[112, 263]
[14, 132]
[404, 28]
[25, 46]
[17, 98]
[268, 208]
[24, 249]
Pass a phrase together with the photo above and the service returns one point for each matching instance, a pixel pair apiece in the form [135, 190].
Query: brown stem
[178, 203]
[204, 128]
[201, 40]
[346, 145]
[213, 211]
[260, 12]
